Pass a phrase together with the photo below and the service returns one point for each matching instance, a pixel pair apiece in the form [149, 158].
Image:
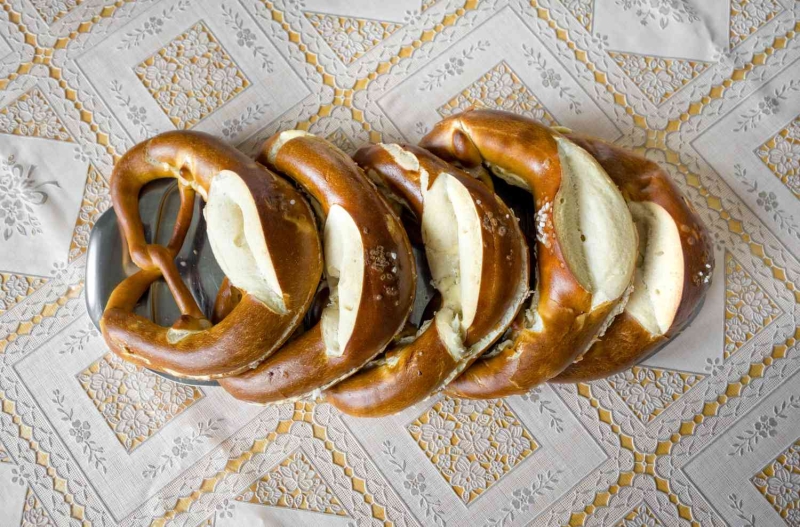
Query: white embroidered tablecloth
[707, 432]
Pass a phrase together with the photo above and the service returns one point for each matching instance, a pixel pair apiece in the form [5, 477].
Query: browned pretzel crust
[193, 348]
[626, 342]
[563, 319]
[412, 371]
[388, 274]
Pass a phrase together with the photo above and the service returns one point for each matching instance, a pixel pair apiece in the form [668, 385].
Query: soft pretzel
[586, 246]
[479, 264]
[673, 273]
[262, 233]
[370, 272]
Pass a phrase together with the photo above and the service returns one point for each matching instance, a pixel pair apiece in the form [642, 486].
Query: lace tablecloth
[704, 433]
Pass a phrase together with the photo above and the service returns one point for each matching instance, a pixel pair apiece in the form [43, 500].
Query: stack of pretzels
[594, 263]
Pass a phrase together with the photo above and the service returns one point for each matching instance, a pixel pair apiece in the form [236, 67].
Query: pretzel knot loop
[271, 252]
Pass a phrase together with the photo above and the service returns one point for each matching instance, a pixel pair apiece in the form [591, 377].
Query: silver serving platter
[108, 262]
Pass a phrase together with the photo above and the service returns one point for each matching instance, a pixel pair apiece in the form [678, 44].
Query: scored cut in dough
[237, 240]
[451, 231]
[658, 284]
[593, 225]
[344, 261]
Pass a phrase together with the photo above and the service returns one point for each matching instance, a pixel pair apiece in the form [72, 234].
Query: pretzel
[262, 233]
[673, 273]
[479, 264]
[371, 275]
[586, 246]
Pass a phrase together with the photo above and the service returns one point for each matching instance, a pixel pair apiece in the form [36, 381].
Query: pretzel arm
[184, 219]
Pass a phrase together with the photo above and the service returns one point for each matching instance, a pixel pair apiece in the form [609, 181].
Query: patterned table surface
[705, 433]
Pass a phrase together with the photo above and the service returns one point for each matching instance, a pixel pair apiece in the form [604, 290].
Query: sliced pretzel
[586, 246]
[673, 273]
[479, 264]
[262, 233]
[370, 273]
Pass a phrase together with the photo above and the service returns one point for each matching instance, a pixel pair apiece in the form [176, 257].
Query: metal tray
[108, 262]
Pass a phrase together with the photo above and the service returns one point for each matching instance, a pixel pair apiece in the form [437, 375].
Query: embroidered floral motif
[415, 484]
[78, 340]
[782, 155]
[137, 115]
[551, 79]
[472, 443]
[581, 10]
[747, 17]
[769, 105]
[182, 446]
[15, 287]
[245, 38]
[524, 498]
[135, 402]
[534, 397]
[661, 11]
[748, 309]
[779, 482]
[19, 193]
[765, 426]
[650, 391]
[768, 201]
[95, 202]
[501, 89]
[33, 514]
[233, 127]
[453, 67]
[4, 457]
[340, 139]
[191, 77]
[53, 10]
[351, 38]
[658, 78]
[641, 516]
[80, 432]
[294, 484]
[154, 25]
[31, 115]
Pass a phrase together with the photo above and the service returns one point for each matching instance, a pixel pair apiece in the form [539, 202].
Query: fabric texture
[707, 432]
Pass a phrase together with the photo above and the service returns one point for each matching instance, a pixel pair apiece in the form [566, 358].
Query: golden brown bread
[581, 282]
[627, 341]
[370, 273]
[580, 325]
[284, 225]
[493, 286]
